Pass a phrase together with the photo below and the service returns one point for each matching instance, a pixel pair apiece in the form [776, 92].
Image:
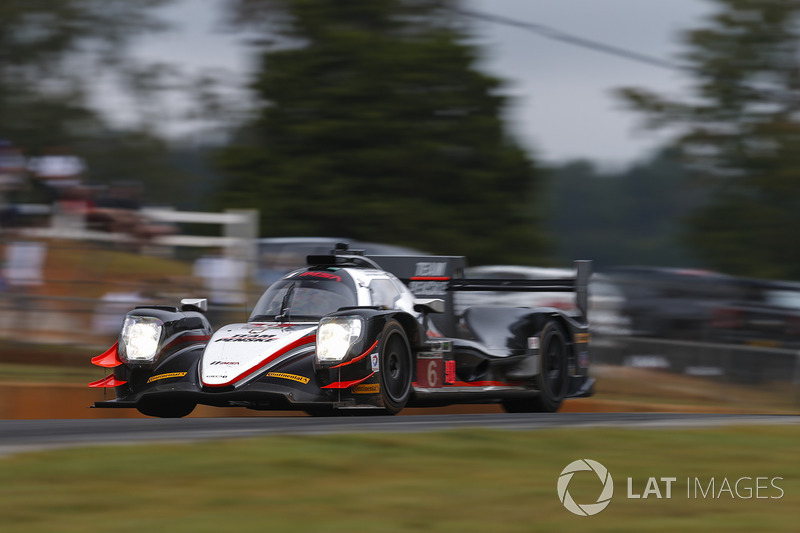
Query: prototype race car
[357, 334]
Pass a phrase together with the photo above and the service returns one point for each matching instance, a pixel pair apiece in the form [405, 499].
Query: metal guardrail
[736, 362]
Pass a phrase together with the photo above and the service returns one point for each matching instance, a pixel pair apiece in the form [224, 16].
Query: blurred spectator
[73, 207]
[110, 311]
[117, 209]
[58, 169]
[59, 175]
[12, 167]
[12, 182]
[24, 263]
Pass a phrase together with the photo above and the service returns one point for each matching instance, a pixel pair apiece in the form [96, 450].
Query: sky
[562, 104]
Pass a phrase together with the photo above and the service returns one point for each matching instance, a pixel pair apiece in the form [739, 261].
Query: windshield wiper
[284, 313]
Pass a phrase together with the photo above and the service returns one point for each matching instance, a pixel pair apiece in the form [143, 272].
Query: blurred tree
[57, 56]
[375, 124]
[621, 218]
[741, 134]
[50, 54]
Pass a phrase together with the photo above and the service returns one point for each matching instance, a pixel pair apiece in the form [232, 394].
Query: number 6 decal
[432, 374]
[429, 370]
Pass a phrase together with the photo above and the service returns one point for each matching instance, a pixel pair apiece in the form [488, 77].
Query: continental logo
[370, 388]
[582, 337]
[291, 377]
[166, 376]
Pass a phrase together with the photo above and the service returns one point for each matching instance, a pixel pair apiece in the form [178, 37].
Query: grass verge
[461, 481]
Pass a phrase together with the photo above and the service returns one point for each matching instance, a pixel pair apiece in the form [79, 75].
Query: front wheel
[553, 378]
[395, 369]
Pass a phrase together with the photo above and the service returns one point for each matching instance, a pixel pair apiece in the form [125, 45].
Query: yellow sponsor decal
[166, 376]
[292, 377]
[369, 388]
[582, 337]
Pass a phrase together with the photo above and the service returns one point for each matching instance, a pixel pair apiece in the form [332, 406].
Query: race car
[356, 334]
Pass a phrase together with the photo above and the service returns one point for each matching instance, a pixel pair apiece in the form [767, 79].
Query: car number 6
[432, 374]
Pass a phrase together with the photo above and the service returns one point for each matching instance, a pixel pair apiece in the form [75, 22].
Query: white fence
[238, 235]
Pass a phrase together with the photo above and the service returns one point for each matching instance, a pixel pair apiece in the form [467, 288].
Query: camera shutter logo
[587, 509]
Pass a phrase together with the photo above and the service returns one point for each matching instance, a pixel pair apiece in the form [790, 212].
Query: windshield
[296, 299]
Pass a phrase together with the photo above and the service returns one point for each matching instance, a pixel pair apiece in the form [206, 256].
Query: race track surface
[29, 435]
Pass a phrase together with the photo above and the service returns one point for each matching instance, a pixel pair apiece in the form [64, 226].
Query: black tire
[553, 379]
[396, 370]
[166, 408]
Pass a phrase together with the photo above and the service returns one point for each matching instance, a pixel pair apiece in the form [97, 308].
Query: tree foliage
[51, 53]
[741, 135]
[622, 218]
[376, 124]
[56, 56]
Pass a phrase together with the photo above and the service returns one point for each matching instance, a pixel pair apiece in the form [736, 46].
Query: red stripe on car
[359, 358]
[346, 384]
[296, 344]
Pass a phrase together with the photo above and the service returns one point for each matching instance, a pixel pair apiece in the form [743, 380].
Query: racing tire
[396, 369]
[552, 382]
[166, 409]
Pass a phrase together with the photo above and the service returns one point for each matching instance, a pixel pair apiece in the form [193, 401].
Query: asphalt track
[29, 435]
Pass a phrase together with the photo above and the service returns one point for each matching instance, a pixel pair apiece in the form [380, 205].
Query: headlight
[140, 337]
[336, 335]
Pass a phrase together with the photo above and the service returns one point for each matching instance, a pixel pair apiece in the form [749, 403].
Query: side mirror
[194, 304]
[429, 305]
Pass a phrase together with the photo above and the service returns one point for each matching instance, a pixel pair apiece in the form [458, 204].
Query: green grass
[462, 481]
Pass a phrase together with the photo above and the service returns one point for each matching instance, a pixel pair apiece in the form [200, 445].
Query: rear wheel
[166, 408]
[553, 379]
[395, 370]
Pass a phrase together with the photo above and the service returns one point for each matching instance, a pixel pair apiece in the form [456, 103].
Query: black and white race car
[357, 334]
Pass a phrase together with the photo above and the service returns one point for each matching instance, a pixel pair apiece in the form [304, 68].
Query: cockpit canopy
[307, 295]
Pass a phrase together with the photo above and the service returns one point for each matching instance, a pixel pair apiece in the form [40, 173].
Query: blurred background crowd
[377, 122]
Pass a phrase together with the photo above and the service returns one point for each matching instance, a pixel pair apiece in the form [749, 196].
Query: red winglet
[108, 381]
[109, 359]
[346, 384]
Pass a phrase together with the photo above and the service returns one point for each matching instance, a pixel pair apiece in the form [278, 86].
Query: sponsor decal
[428, 288]
[291, 377]
[374, 360]
[533, 343]
[248, 337]
[437, 270]
[229, 363]
[368, 388]
[166, 376]
[320, 274]
[582, 337]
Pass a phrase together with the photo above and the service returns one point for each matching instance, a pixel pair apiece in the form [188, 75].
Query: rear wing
[443, 276]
